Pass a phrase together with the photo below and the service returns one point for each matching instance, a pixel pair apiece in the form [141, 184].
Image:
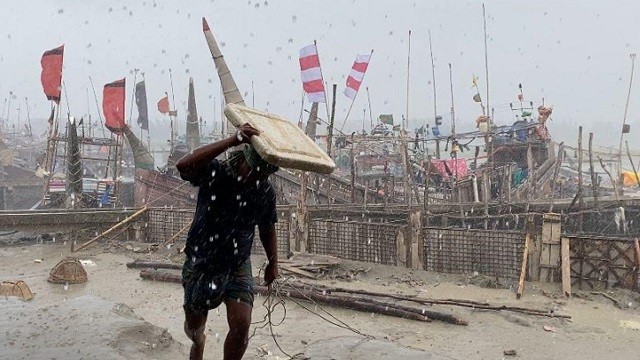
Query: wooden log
[142, 264]
[155, 275]
[331, 300]
[363, 304]
[434, 315]
[451, 302]
[566, 267]
[114, 227]
[299, 272]
[523, 268]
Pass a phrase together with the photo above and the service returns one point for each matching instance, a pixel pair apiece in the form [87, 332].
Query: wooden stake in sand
[565, 252]
[523, 269]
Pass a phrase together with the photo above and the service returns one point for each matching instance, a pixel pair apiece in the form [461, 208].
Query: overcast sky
[574, 54]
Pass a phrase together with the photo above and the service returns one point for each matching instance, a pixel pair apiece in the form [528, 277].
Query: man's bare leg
[239, 320]
[194, 325]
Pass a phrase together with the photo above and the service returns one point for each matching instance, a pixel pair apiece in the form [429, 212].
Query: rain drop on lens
[213, 197]
[235, 252]
[237, 197]
[213, 173]
[210, 238]
[195, 248]
[213, 286]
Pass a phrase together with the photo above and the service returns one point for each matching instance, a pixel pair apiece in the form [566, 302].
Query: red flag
[113, 106]
[51, 76]
[163, 105]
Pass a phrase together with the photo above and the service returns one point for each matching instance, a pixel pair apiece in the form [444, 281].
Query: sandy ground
[597, 330]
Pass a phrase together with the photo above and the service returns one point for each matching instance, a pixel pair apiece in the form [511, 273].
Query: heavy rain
[319, 180]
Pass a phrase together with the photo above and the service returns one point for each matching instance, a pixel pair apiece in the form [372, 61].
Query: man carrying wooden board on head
[234, 197]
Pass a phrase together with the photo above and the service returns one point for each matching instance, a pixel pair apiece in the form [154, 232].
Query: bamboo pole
[426, 190]
[405, 126]
[580, 188]
[486, 61]
[530, 183]
[145, 264]
[433, 81]
[626, 108]
[486, 194]
[114, 227]
[594, 182]
[175, 236]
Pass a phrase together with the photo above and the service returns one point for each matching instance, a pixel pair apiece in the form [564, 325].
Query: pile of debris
[312, 267]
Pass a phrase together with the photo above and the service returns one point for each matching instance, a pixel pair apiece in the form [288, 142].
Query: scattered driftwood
[363, 303]
[451, 302]
[308, 266]
[142, 264]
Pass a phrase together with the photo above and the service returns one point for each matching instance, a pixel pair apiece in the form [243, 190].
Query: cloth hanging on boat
[457, 167]
[141, 102]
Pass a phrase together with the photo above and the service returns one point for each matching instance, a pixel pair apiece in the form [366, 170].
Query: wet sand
[597, 330]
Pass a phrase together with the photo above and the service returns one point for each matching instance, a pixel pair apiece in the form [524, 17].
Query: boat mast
[486, 61]
[626, 108]
[171, 116]
[433, 82]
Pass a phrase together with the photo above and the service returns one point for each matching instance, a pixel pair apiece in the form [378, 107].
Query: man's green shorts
[206, 290]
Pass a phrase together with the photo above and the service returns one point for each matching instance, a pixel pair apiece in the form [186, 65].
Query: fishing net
[68, 271]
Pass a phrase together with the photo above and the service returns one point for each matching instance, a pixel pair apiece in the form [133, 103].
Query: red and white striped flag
[356, 75]
[312, 82]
